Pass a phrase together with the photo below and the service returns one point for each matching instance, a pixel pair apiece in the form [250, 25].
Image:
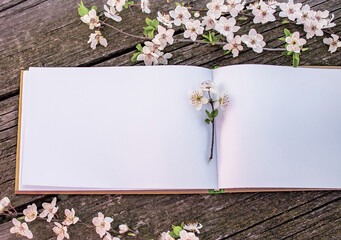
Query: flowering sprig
[207, 94]
[100, 223]
[217, 24]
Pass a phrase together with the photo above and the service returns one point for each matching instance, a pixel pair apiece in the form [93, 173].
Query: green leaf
[208, 114]
[179, 4]
[134, 57]
[214, 113]
[82, 10]
[287, 32]
[242, 18]
[282, 39]
[215, 67]
[227, 52]
[177, 230]
[154, 23]
[295, 59]
[173, 234]
[304, 49]
[182, 225]
[208, 121]
[205, 36]
[139, 47]
[21, 218]
[126, 5]
[148, 21]
[131, 234]
[93, 7]
[285, 21]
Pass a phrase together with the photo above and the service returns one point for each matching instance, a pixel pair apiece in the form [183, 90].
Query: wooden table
[50, 33]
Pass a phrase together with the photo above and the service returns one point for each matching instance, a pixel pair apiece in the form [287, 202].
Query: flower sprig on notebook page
[217, 22]
[207, 94]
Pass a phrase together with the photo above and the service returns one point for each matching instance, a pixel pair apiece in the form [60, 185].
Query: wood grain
[49, 33]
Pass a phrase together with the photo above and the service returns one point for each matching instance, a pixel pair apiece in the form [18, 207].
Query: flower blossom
[5, 202]
[155, 45]
[208, 86]
[165, 35]
[165, 19]
[313, 28]
[333, 43]
[123, 228]
[148, 56]
[102, 224]
[215, 8]
[234, 7]
[61, 231]
[117, 3]
[166, 236]
[109, 237]
[30, 213]
[193, 227]
[91, 18]
[263, 14]
[209, 22]
[111, 13]
[21, 229]
[197, 99]
[184, 235]
[254, 40]
[145, 6]
[295, 42]
[197, 14]
[96, 38]
[180, 15]
[222, 101]
[305, 15]
[70, 217]
[290, 10]
[50, 210]
[321, 17]
[163, 58]
[234, 45]
[193, 29]
[227, 27]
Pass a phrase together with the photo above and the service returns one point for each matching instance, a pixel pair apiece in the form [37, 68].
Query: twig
[125, 33]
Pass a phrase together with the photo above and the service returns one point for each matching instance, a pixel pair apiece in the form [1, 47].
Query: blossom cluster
[101, 224]
[218, 24]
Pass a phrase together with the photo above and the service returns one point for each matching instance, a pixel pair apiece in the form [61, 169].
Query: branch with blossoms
[217, 24]
[207, 94]
[100, 224]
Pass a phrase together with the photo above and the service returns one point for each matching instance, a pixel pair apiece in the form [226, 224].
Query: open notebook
[132, 130]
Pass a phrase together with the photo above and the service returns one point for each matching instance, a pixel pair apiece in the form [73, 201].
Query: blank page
[114, 128]
[282, 128]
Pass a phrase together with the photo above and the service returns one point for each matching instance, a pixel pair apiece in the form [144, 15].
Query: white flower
[5, 202]
[117, 3]
[102, 224]
[305, 14]
[193, 29]
[197, 99]
[321, 17]
[235, 6]
[209, 22]
[263, 14]
[254, 40]
[166, 236]
[180, 15]
[30, 213]
[208, 86]
[145, 6]
[111, 13]
[333, 42]
[222, 101]
[215, 8]
[149, 57]
[91, 18]
[21, 229]
[329, 23]
[197, 14]
[184, 235]
[109, 237]
[61, 231]
[165, 35]
[290, 10]
[254, 5]
[295, 42]
[234, 45]
[193, 227]
[163, 58]
[155, 44]
[227, 27]
[165, 19]
[272, 3]
[313, 28]
[96, 38]
[70, 217]
[49, 210]
[123, 228]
